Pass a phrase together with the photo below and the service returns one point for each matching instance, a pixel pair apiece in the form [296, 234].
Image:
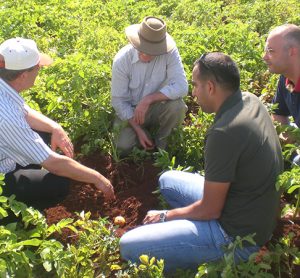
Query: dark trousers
[35, 186]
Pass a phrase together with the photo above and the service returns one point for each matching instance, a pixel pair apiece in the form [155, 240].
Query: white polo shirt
[18, 142]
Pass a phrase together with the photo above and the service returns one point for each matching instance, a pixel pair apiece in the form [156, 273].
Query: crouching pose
[35, 173]
[148, 84]
[237, 196]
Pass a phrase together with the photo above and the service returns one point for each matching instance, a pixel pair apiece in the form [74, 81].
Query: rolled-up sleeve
[176, 85]
[120, 96]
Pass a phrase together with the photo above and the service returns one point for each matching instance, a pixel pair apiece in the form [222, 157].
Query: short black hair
[221, 68]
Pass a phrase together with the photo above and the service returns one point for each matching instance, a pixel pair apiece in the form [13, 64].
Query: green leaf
[29, 242]
[47, 265]
[3, 199]
[144, 259]
[3, 213]
[293, 188]
[61, 81]
[81, 73]
[115, 267]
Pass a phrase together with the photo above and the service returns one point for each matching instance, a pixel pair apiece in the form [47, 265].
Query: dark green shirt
[242, 148]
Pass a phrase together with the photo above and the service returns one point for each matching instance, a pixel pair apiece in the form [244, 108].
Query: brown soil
[134, 185]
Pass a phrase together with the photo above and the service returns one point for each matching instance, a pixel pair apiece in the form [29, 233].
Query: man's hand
[146, 143]
[144, 140]
[286, 138]
[141, 110]
[60, 139]
[106, 187]
[153, 216]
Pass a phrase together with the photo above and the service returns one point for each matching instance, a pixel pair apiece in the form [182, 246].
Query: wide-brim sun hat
[21, 54]
[150, 37]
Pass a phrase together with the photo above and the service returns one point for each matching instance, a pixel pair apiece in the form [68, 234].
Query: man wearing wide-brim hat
[148, 83]
[34, 172]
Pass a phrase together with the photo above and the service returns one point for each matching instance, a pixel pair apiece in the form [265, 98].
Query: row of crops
[82, 37]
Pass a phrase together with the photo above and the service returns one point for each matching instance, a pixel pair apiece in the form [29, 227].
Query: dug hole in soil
[134, 185]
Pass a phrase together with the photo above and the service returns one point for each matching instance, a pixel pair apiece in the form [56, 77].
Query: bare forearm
[40, 122]
[67, 167]
[137, 128]
[208, 208]
[155, 97]
[195, 211]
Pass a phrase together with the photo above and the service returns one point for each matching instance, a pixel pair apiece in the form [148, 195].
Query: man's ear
[211, 87]
[293, 51]
[23, 75]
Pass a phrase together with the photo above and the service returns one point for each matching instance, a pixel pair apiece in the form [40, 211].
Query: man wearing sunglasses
[34, 172]
[237, 196]
[148, 83]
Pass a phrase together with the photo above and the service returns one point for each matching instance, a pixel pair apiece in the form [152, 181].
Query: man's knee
[164, 179]
[124, 147]
[126, 248]
[176, 107]
[124, 137]
[173, 112]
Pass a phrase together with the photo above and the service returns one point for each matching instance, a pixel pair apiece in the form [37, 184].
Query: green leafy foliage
[187, 142]
[266, 265]
[83, 37]
[289, 182]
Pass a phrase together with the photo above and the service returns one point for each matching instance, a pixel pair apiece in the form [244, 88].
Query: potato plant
[82, 36]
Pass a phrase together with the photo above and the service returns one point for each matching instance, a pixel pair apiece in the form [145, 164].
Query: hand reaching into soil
[146, 143]
[107, 189]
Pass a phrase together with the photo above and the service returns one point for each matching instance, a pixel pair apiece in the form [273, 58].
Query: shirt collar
[11, 93]
[135, 57]
[292, 87]
[229, 103]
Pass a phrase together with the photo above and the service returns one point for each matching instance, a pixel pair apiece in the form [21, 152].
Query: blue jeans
[181, 243]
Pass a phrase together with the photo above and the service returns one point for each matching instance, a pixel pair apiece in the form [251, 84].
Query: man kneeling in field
[237, 196]
[23, 152]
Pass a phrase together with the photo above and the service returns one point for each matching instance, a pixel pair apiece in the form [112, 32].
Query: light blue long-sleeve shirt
[132, 79]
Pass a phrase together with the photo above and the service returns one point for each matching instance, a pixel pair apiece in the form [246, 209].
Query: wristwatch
[163, 216]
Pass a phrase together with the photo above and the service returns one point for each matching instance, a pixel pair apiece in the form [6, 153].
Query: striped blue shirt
[132, 79]
[18, 142]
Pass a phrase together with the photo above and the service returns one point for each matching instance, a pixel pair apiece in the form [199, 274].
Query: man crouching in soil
[237, 196]
[36, 174]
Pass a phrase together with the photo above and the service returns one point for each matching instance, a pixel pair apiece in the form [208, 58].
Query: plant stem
[297, 205]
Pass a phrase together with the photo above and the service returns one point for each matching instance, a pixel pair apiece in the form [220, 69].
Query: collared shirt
[295, 88]
[18, 142]
[288, 102]
[132, 79]
[242, 148]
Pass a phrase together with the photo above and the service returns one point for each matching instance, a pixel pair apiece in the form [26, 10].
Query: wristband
[163, 216]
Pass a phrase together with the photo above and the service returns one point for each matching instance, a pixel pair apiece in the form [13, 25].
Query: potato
[120, 221]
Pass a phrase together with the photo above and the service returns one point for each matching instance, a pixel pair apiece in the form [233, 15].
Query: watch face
[162, 217]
